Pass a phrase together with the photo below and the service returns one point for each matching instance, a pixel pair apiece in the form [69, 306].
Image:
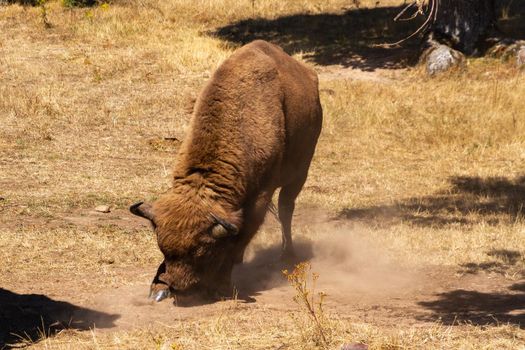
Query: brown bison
[254, 129]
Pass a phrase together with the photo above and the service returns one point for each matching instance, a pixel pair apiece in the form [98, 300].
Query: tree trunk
[464, 24]
[466, 27]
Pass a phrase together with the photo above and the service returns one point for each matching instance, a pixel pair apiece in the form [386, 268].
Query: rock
[521, 57]
[508, 49]
[502, 48]
[442, 58]
[103, 209]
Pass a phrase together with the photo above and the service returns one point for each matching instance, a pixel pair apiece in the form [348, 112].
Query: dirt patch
[362, 284]
[79, 218]
[337, 72]
[407, 297]
[121, 218]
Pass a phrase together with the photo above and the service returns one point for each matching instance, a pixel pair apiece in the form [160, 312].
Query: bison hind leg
[286, 207]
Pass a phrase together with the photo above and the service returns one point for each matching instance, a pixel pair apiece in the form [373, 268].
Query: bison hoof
[159, 295]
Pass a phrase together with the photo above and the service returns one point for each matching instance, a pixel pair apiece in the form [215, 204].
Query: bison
[254, 129]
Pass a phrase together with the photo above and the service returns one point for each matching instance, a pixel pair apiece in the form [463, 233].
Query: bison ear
[143, 210]
[222, 228]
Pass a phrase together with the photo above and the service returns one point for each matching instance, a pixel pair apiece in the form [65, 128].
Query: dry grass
[223, 332]
[428, 169]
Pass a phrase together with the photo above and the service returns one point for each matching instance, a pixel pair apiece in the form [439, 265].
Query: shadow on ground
[354, 38]
[467, 201]
[264, 270]
[348, 39]
[477, 308]
[30, 317]
[502, 261]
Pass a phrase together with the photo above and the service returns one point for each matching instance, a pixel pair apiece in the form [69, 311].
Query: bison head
[198, 242]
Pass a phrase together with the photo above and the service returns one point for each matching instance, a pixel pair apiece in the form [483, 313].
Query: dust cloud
[353, 272]
[347, 263]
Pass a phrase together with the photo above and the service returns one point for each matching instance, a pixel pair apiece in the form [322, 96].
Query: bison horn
[143, 210]
[222, 228]
[160, 295]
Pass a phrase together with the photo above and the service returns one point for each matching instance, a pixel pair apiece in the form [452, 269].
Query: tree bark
[464, 24]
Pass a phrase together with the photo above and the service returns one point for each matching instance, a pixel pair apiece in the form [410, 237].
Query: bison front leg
[224, 287]
[158, 289]
[253, 219]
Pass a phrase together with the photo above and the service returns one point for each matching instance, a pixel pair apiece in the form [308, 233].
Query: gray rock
[441, 58]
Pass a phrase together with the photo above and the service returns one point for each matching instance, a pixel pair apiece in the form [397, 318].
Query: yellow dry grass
[431, 169]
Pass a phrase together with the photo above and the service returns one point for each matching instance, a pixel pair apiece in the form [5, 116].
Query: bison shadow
[468, 200]
[31, 317]
[476, 308]
[265, 270]
[354, 38]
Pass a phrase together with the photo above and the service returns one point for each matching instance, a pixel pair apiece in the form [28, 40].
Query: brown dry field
[412, 214]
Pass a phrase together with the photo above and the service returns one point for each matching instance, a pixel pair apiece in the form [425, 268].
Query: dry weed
[312, 321]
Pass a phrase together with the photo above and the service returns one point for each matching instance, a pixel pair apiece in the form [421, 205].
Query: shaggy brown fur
[254, 129]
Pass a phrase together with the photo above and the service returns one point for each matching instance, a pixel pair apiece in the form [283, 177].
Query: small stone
[102, 209]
